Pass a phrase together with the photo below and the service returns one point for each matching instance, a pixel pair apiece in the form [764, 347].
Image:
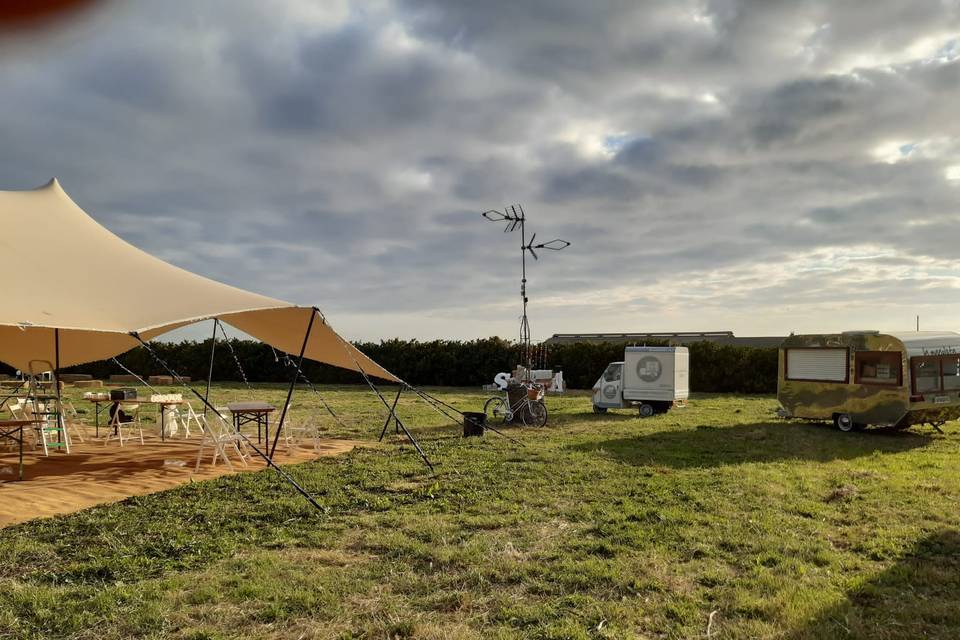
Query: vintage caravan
[653, 379]
[861, 378]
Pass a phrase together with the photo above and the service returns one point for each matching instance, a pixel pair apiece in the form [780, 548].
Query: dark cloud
[719, 164]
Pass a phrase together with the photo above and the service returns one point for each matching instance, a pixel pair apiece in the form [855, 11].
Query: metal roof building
[673, 337]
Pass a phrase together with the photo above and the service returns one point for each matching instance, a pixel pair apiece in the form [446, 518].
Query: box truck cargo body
[651, 378]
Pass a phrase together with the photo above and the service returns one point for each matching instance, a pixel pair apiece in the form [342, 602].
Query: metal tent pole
[288, 362]
[391, 414]
[293, 382]
[61, 423]
[213, 349]
[399, 422]
[283, 474]
[129, 372]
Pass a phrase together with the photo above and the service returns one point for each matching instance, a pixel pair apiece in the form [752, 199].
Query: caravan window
[879, 367]
[951, 372]
[926, 374]
[818, 365]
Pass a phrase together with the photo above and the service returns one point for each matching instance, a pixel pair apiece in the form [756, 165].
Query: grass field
[593, 527]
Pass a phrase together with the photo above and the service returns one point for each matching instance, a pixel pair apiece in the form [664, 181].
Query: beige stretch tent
[67, 278]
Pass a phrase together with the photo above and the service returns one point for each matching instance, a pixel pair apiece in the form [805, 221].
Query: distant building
[679, 338]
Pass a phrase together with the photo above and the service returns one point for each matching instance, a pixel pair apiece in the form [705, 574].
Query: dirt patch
[842, 493]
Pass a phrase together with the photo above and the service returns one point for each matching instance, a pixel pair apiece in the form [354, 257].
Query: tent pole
[289, 363]
[56, 385]
[293, 382]
[391, 414]
[413, 440]
[213, 348]
[283, 474]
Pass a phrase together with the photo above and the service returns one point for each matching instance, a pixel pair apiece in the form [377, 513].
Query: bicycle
[531, 409]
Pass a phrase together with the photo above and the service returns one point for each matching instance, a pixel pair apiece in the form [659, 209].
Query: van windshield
[612, 374]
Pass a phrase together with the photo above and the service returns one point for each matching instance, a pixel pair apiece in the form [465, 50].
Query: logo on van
[649, 369]
[610, 391]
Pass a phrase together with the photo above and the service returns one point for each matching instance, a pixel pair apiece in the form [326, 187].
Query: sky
[762, 167]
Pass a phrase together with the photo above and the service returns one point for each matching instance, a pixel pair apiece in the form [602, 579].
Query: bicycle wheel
[536, 414]
[497, 409]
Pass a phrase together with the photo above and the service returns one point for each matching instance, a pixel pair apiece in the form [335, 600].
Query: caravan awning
[62, 270]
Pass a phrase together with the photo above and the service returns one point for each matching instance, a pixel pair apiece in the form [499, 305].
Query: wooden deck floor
[94, 473]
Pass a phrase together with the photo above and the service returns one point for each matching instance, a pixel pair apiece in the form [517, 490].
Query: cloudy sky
[763, 167]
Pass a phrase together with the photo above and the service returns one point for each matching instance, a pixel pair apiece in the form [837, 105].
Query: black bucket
[473, 423]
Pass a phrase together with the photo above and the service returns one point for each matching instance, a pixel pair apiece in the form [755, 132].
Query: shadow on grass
[708, 446]
[918, 597]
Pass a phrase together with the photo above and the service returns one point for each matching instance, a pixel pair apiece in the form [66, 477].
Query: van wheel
[844, 422]
[646, 410]
[597, 409]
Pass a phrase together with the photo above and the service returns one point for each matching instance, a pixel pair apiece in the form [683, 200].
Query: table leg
[21, 453]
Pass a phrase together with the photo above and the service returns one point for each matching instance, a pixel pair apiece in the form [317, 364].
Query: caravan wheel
[844, 422]
[646, 410]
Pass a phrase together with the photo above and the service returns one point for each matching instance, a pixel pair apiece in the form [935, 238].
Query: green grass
[597, 527]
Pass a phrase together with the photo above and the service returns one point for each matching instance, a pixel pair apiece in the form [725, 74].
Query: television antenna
[515, 218]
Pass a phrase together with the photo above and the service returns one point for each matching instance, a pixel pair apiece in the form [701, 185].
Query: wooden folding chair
[117, 425]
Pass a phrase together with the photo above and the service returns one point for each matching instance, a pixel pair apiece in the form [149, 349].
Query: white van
[653, 379]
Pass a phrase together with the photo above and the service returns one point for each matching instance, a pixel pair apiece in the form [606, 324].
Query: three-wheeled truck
[653, 379]
[862, 378]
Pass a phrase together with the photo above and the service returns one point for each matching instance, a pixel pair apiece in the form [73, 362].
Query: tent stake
[213, 349]
[391, 414]
[293, 382]
[283, 474]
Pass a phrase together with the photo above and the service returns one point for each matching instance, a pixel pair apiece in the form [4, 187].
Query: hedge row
[713, 367]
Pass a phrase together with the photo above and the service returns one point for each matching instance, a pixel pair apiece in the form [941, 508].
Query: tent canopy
[64, 271]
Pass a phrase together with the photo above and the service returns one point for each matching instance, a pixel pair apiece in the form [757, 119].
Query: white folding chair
[127, 416]
[72, 421]
[296, 432]
[187, 416]
[220, 435]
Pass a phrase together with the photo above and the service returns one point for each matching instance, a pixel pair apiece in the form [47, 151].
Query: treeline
[469, 363]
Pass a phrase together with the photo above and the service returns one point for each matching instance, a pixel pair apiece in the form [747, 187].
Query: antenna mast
[515, 218]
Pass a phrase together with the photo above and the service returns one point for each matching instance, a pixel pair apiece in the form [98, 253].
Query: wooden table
[161, 405]
[97, 410]
[259, 412]
[9, 430]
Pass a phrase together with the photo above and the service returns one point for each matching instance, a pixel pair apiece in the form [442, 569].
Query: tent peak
[50, 185]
